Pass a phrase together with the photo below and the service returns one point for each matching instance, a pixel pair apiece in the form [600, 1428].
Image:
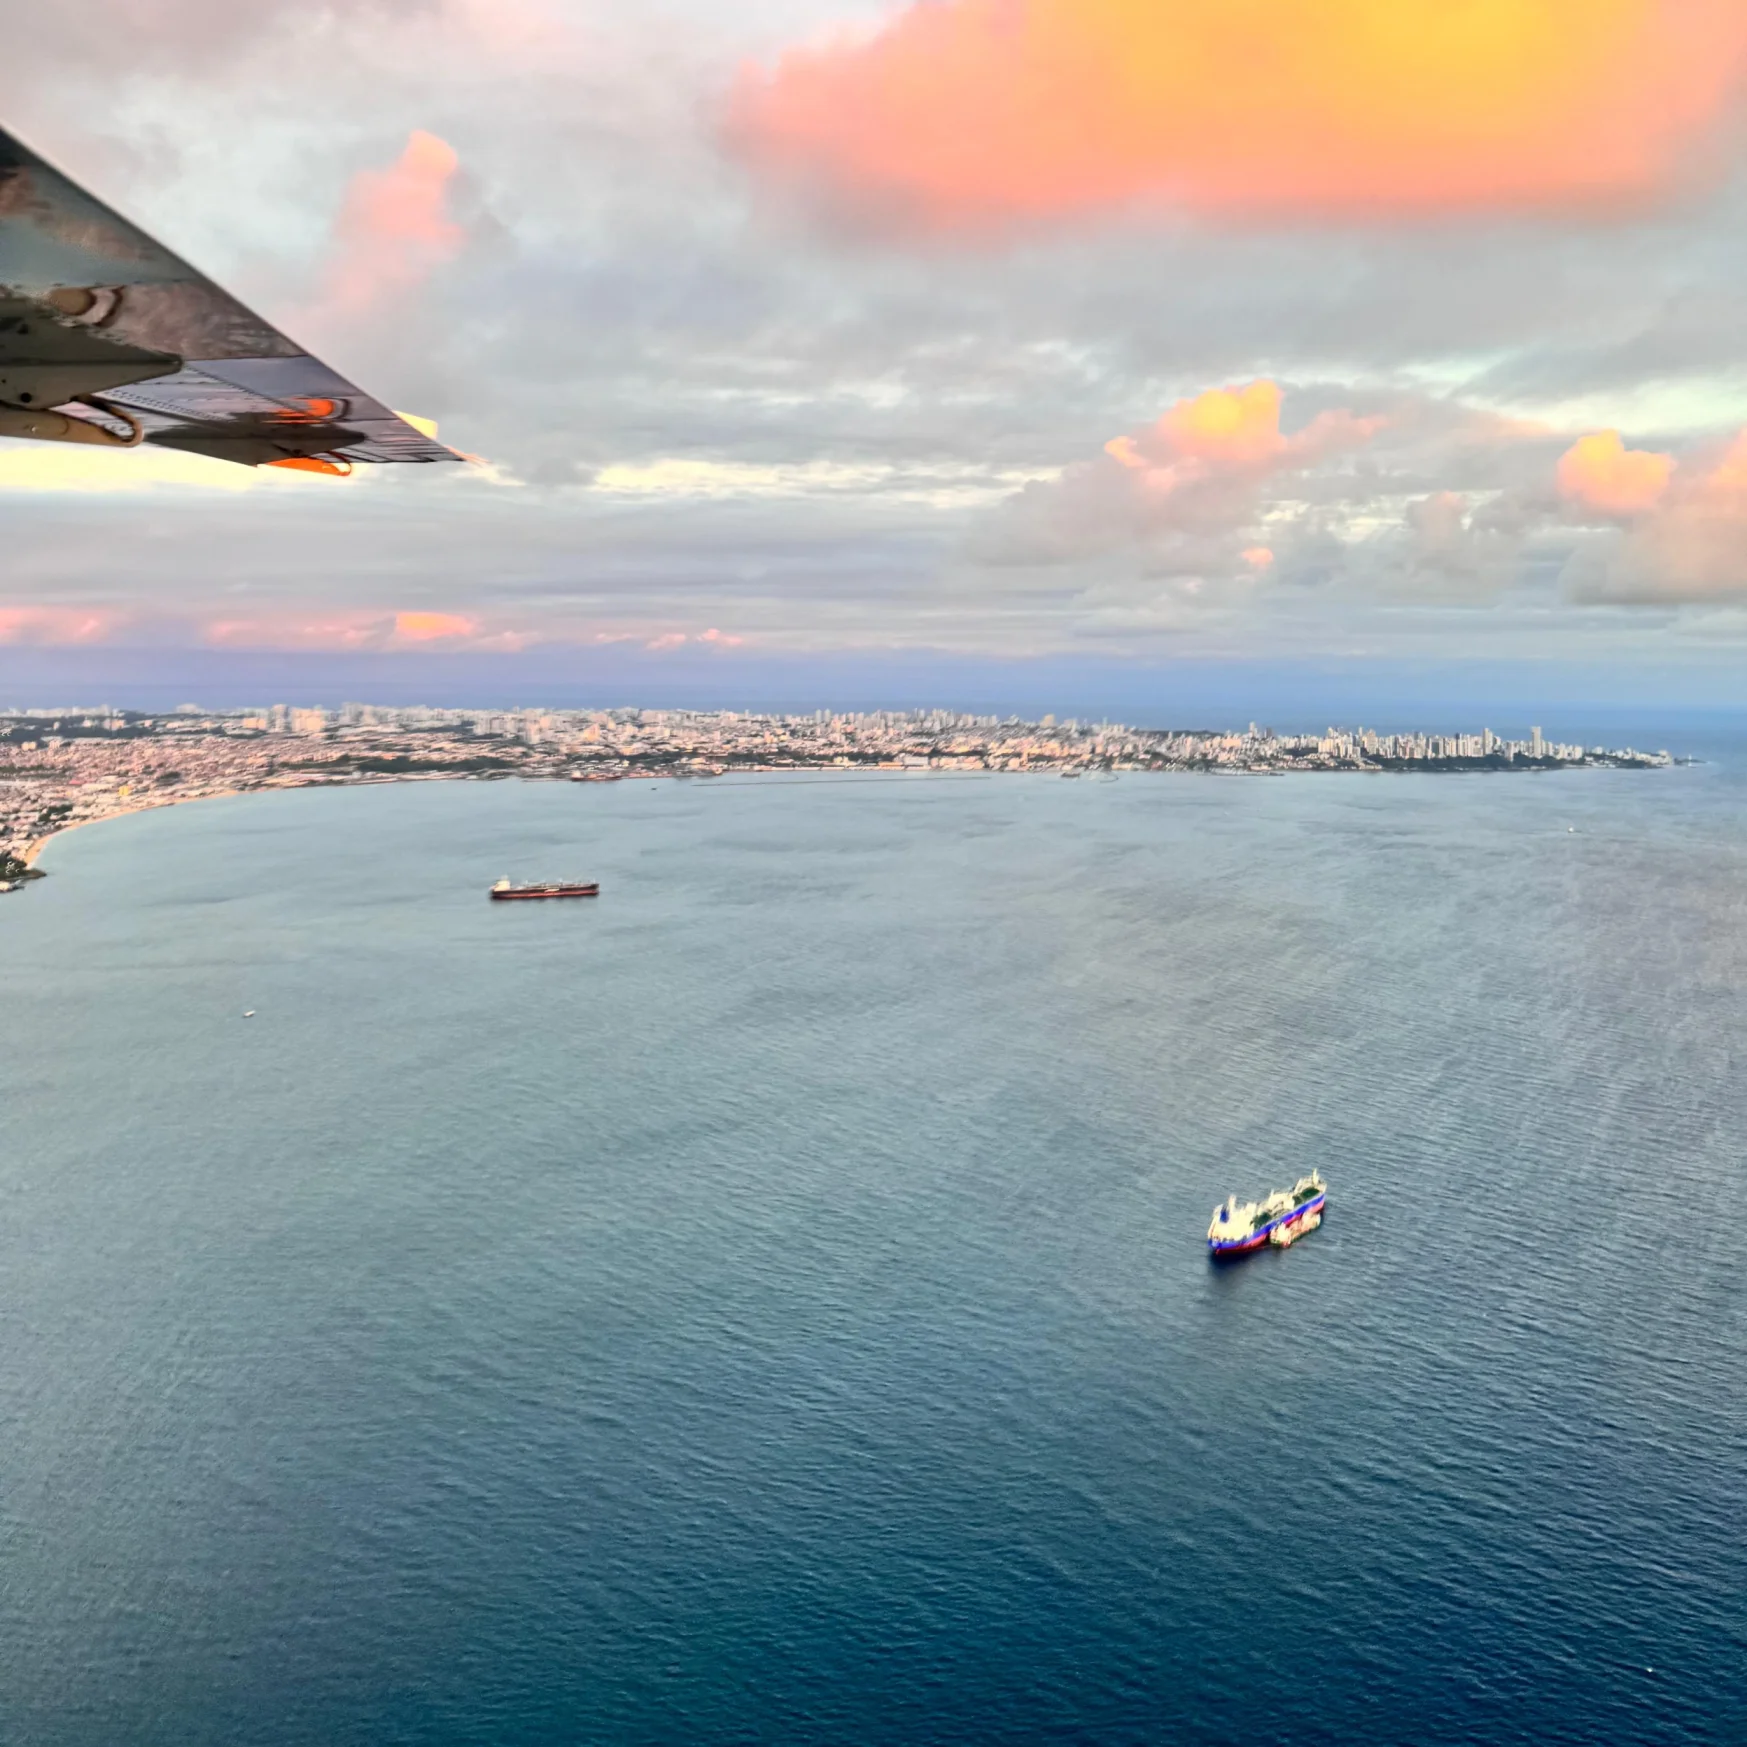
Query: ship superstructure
[1238, 1228]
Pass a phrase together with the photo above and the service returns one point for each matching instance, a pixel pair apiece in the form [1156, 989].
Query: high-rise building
[1536, 745]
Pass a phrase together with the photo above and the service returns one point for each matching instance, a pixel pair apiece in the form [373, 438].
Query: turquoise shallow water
[769, 1304]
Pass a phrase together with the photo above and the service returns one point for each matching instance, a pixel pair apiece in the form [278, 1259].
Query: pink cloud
[364, 629]
[1685, 532]
[286, 626]
[394, 229]
[56, 625]
[290, 630]
[677, 639]
[1729, 475]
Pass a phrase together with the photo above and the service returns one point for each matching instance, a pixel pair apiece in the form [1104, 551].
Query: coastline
[35, 848]
[119, 762]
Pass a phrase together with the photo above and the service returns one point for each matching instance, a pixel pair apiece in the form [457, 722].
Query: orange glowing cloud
[984, 113]
[1687, 542]
[1232, 431]
[1235, 425]
[432, 627]
[1193, 490]
[394, 229]
[1599, 474]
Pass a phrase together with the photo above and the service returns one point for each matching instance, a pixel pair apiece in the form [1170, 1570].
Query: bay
[769, 1303]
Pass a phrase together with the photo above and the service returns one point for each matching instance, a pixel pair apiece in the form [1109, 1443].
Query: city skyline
[71, 767]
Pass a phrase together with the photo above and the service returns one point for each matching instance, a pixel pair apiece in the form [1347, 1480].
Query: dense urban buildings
[61, 767]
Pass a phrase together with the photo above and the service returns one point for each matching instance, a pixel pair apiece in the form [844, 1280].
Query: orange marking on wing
[338, 469]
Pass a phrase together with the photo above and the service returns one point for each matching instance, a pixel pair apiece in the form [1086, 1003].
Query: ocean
[770, 1304]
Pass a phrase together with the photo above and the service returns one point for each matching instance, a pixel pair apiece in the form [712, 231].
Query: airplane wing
[108, 338]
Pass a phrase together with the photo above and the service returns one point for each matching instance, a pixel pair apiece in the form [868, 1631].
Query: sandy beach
[34, 849]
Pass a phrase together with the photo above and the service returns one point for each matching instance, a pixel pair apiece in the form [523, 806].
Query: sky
[820, 348]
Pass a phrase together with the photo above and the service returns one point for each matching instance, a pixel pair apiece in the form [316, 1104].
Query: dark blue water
[769, 1305]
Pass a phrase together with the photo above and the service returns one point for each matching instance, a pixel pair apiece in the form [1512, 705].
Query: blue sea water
[769, 1304]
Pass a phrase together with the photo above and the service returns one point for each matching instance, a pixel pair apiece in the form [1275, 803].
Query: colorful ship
[546, 889]
[1281, 1219]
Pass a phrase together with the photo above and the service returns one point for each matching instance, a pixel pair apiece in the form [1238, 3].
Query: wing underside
[108, 338]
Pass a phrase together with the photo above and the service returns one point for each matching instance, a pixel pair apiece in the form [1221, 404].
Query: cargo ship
[503, 890]
[1281, 1219]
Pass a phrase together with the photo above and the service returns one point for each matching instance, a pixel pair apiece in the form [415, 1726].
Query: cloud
[293, 630]
[186, 35]
[36, 468]
[982, 114]
[1458, 549]
[1598, 474]
[1231, 425]
[1232, 430]
[1217, 517]
[943, 484]
[1440, 522]
[1689, 543]
[1188, 488]
[433, 627]
[55, 625]
[286, 628]
[812, 447]
[667, 640]
[394, 229]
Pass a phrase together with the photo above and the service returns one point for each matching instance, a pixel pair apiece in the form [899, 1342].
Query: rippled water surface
[769, 1304]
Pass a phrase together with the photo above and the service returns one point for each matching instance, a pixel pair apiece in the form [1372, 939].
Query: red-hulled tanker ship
[504, 891]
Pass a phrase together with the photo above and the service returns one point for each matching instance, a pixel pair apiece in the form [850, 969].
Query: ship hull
[556, 892]
[1258, 1239]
